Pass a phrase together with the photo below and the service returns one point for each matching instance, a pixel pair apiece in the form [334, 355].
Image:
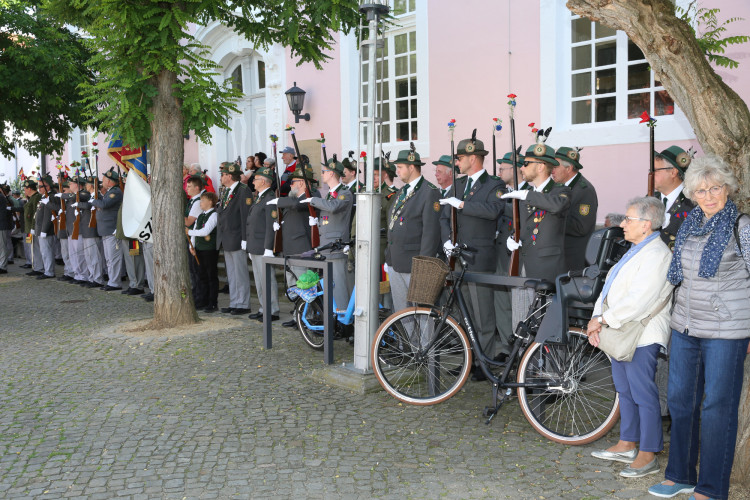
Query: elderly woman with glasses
[636, 289]
[710, 329]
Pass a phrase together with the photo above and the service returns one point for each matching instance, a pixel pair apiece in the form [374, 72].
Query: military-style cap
[409, 157]
[266, 172]
[445, 160]
[112, 175]
[288, 149]
[298, 174]
[78, 179]
[387, 167]
[676, 156]
[29, 183]
[541, 151]
[570, 155]
[471, 146]
[227, 167]
[335, 165]
[48, 180]
[508, 158]
[91, 179]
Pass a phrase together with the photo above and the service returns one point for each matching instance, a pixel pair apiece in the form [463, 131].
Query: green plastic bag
[308, 280]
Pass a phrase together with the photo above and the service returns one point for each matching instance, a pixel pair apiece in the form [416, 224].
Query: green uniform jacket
[580, 222]
[29, 210]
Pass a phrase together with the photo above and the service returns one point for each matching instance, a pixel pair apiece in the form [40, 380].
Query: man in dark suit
[260, 236]
[543, 212]
[234, 202]
[413, 223]
[479, 205]
[669, 171]
[581, 218]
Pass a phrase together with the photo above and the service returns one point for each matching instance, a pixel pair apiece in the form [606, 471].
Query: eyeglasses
[663, 168]
[527, 163]
[631, 219]
[715, 191]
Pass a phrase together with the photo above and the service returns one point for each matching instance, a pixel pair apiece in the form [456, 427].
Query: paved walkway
[85, 414]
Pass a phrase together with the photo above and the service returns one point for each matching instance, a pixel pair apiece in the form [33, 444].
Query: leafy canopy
[135, 41]
[708, 33]
[42, 64]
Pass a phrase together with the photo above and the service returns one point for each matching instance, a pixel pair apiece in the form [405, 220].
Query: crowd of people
[689, 235]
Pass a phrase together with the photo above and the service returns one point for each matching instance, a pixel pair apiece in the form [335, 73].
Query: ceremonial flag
[21, 174]
[128, 158]
[136, 209]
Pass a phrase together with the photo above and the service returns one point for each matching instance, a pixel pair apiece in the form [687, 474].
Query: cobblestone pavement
[214, 415]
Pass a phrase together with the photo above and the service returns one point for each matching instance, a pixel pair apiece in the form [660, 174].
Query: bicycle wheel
[581, 405]
[412, 370]
[314, 316]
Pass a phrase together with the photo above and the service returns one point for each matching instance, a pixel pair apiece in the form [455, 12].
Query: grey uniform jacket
[477, 221]
[335, 214]
[542, 252]
[107, 208]
[43, 218]
[232, 216]
[259, 224]
[580, 222]
[295, 227]
[413, 226]
[54, 206]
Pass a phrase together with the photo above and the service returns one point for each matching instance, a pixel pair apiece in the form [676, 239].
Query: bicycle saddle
[540, 285]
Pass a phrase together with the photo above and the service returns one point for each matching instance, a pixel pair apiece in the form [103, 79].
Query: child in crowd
[203, 237]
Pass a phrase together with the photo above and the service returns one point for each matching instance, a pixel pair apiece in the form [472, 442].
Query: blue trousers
[640, 413]
[714, 368]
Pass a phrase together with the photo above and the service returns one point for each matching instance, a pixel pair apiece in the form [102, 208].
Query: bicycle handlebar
[339, 244]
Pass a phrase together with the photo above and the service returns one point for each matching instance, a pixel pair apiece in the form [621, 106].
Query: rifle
[651, 171]
[322, 142]
[119, 178]
[454, 211]
[314, 233]
[278, 241]
[77, 222]
[494, 147]
[92, 221]
[62, 220]
[513, 268]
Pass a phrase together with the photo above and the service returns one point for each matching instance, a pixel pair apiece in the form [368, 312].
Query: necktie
[468, 188]
[665, 201]
[402, 195]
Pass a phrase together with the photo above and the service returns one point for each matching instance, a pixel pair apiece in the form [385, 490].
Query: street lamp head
[295, 96]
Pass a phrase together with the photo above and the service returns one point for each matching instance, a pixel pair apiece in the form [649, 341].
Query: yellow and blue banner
[127, 157]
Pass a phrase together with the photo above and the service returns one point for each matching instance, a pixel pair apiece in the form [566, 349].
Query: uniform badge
[470, 148]
[273, 214]
[539, 150]
[436, 206]
[207, 238]
[411, 157]
[499, 193]
[112, 195]
[584, 209]
[248, 201]
[342, 196]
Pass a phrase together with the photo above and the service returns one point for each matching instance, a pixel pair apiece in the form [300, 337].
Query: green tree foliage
[42, 64]
[709, 32]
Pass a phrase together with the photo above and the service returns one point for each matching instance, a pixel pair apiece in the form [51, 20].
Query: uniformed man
[296, 224]
[44, 228]
[388, 191]
[107, 207]
[333, 223]
[132, 257]
[413, 224]
[31, 244]
[62, 235]
[260, 237]
[351, 174]
[92, 255]
[6, 225]
[479, 205]
[444, 175]
[669, 171]
[234, 203]
[581, 220]
[192, 211]
[75, 241]
[543, 211]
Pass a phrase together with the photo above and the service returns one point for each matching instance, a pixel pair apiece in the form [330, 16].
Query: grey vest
[717, 307]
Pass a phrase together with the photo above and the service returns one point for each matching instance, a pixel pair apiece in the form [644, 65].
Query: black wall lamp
[296, 98]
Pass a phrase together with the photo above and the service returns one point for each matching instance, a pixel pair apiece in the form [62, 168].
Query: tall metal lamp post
[367, 276]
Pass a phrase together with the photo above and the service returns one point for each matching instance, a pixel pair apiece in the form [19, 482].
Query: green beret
[409, 157]
[570, 155]
[676, 156]
[508, 158]
[541, 151]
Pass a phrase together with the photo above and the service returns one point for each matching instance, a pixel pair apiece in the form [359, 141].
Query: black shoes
[64, 277]
[3, 271]
[45, 277]
[238, 311]
[227, 310]
[92, 284]
[132, 291]
[291, 323]
[210, 309]
[148, 297]
[108, 288]
[34, 273]
[258, 315]
[25, 266]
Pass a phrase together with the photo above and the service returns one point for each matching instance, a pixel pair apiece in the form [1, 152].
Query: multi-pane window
[236, 78]
[401, 7]
[84, 140]
[610, 78]
[261, 75]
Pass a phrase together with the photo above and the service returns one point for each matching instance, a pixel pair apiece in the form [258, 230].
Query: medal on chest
[538, 218]
[324, 220]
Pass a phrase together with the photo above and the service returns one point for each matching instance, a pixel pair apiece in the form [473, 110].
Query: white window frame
[555, 91]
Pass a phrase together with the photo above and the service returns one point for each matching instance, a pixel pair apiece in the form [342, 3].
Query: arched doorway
[247, 133]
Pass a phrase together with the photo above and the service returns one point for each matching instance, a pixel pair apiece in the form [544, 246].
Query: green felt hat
[335, 165]
[445, 160]
[266, 172]
[387, 166]
[78, 179]
[677, 157]
[298, 174]
[29, 183]
[541, 151]
[228, 167]
[48, 180]
[409, 157]
[112, 175]
[508, 158]
[570, 155]
[471, 146]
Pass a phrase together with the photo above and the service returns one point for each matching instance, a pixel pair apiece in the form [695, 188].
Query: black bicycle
[423, 355]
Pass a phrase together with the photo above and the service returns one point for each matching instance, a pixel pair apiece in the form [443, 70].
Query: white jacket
[640, 286]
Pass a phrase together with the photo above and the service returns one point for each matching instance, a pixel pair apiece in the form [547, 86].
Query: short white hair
[649, 209]
[710, 168]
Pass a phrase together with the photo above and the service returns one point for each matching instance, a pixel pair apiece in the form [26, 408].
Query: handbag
[620, 343]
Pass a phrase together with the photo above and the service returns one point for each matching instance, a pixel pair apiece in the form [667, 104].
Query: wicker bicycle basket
[427, 279]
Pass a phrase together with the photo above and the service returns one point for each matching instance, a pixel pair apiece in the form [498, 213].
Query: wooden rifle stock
[62, 220]
[77, 222]
[651, 170]
[314, 232]
[515, 257]
[92, 220]
[278, 240]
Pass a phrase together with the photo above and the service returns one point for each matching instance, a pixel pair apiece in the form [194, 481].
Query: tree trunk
[721, 119]
[173, 300]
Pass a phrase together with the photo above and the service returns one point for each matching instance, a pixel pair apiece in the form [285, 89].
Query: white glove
[93, 208]
[306, 200]
[58, 195]
[448, 246]
[452, 201]
[8, 208]
[521, 194]
[42, 235]
[511, 243]
[276, 226]
[346, 250]
[243, 245]
[267, 253]
[386, 269]
[76, 212]
[313, 221]
[275, 201]
[250, 256]
[59, 212]
[44, 201]
[74, 205]
[52, 218]
[32, 231]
